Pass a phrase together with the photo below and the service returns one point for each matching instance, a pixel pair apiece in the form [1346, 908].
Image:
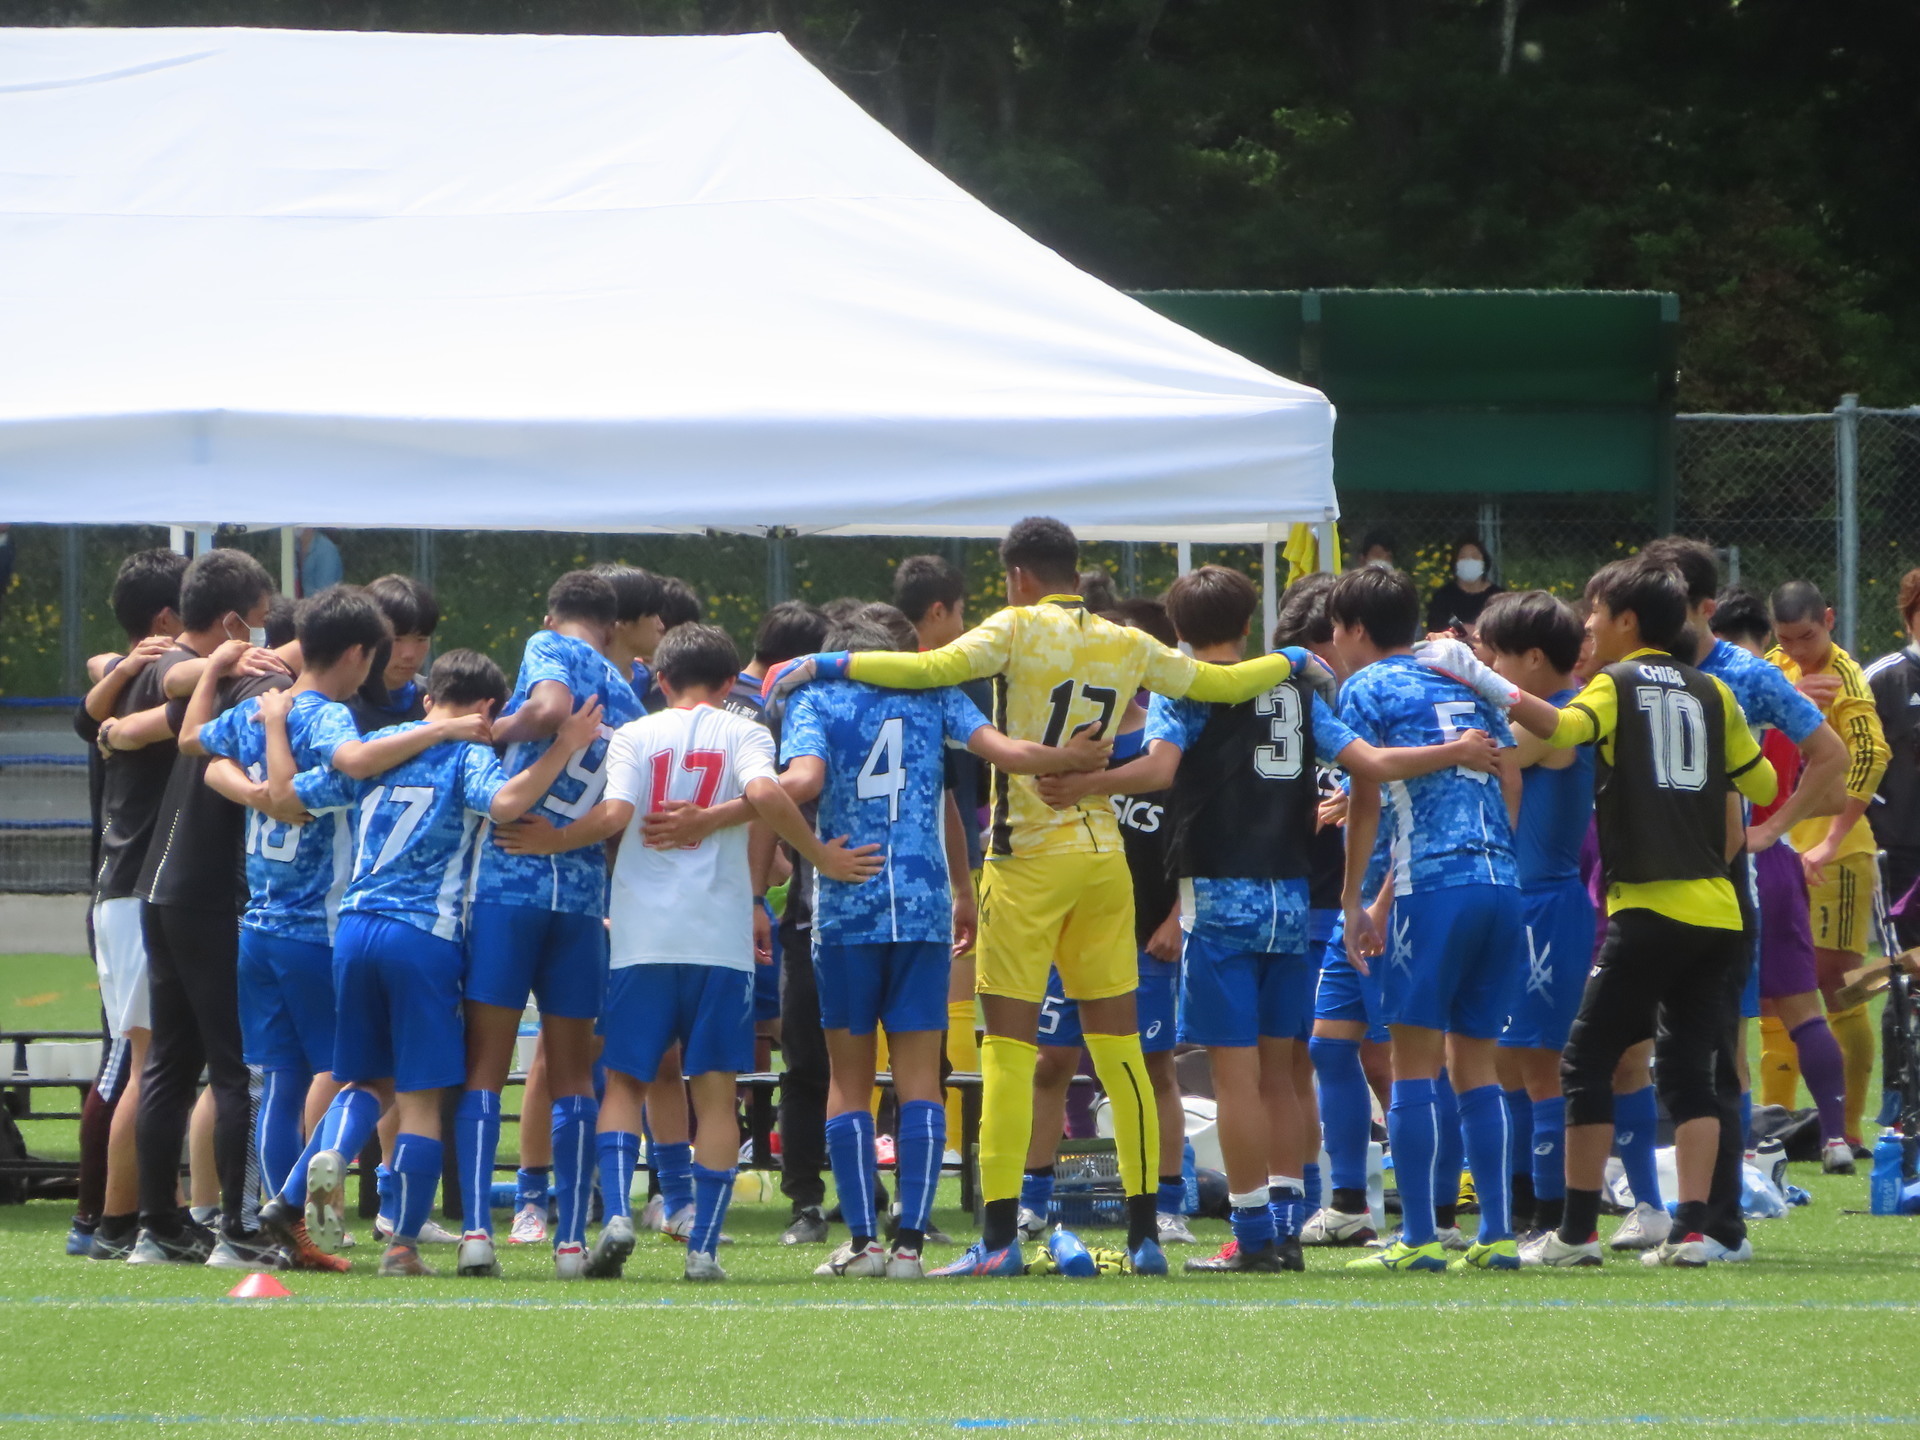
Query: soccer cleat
[403, 1260]
[808, 1227]
[1400, 1256]
[702, 1266]
[1493, 1255]
[1031, 1225]
[529, 1226]
[980, 1261]
[869, 1263]
[1226, 1251]
[204, 1216]
[1689, 1252]
[247, 1252]
[286, 1225]
[653, 1213]
[1173, 1230]
[1336, 1227]
[570, 1261]
[191, 1246]
[431, 1233]
[609, 1255]
[935, 1235]
[679, 1225]
[327, 1199]
[476, 1257]
[1148, 1258]
[1836, 1158]
[107, 1248]
[1718, 1253]
[79, 1240]
[1550, 1250]
[1292, 1257]
[1645, 1228]
[1232, 1260]
[1070, 1255]
[905, 1265]
[1451, 1238]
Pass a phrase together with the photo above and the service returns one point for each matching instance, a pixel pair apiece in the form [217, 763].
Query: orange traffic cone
[259, 1286]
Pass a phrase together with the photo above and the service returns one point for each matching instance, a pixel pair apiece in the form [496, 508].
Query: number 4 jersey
[691, 906]
[885, 786]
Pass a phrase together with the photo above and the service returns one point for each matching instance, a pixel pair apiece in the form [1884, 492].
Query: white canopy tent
[569, 283]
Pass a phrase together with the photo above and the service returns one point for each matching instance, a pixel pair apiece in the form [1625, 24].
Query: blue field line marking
[1185, 1422]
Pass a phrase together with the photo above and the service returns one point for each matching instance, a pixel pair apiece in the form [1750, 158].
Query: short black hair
[1096, 588]
[282, 623]
[1148, 615]
[407, 603]
[636, 593]
[147, 582]
[583, 596]
[1798, 600]
[1741, 614]
[1045, 549]
[334, 621]
[695, 654]
[842, 609]
[891, 619]
[1653, 591]
[1381, 536]
[221, 582]
[857, 634]
[1211, 605]
[1303, 617]
[466, 677]
[1382, 602]
[1521, 620]
[1462, 541]
[922, 581]
[1699, 567]
[789, 630]
[678, 603]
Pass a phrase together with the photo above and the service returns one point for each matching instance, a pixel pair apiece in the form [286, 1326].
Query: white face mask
[256, 634]
[1469, 570]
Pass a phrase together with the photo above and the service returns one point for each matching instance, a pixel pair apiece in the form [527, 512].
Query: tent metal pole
[1185, 551]
[289, 561]
[1269, 591]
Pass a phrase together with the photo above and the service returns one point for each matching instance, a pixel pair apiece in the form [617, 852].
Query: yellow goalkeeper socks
[963, 1053]
[1854, 1030]
[1006, 1114]
[1122, 1069]
[1779, 1064]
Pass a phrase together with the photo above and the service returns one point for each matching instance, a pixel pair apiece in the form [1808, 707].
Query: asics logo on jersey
[1539, 978]
[1152, 1030]
[1913, 699]
[1140, 815]
[1545, 1147]
[1401, 954]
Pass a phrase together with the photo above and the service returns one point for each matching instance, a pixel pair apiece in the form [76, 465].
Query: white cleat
[1336, 1227]
[1173, 1230]
[702, 1266]
[906, 1265]
[1836, 1158]
[869, 1263]
[610, 1251]
[1689, 1252]
[1031, 1225]
[570, 1262]
[1719, 1254]
[679, 1225]
[529, 1226]
[1553, 1252]
[476, 1255]
[327, 1200]
[1645, 1228]
[1452, 1238]
[653, 1215]
[431, 1233]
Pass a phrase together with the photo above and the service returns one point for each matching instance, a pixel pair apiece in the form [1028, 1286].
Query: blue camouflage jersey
[1764, 693]
[885, 785]
[415, 842]
[1263, 915]
[576, 882]
[1449, 827]
[295, 873]
[1555, 808]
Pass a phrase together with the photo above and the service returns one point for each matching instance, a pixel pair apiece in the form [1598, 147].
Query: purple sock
[1824, 1073]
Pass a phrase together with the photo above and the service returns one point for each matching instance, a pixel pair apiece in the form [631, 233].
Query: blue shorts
[396, 990]
[1750, 992]
[901, 985]
[514, 951]
[766, 982]
[1452, 959]
[286, 1002]
[1343, 993]
[707, 1010]
[1240, 997]
[1557, 950]
[1156, 1004]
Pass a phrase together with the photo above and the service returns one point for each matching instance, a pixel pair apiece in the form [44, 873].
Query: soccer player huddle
[1358, 845]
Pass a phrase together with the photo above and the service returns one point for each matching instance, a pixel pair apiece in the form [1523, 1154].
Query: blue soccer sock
[712, 1190]
[1519, 1128]
[1451, 1158]
[1413, 1126]
[850, 1152]
[673, 1169]
[1170, 1196]
[346, 1127]
[476, 1144]
[574, 1117]
[530, 1187]
[1288, 1202]
[619, 1156]
[1251, 1218]
[416, 1175]
[1550, 1148]
[389, 1194]
[1746, 1119]
[1489, 1146]
[1310, 1183]
[1036, 1191]
[921, 1141]
[283, 1103]
[1346, 1110]
[1636, 1128]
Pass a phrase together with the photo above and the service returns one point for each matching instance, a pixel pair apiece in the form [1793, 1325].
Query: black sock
[1040, 1170]
[1582, 1216]
[1143, 1220]
[907, 1239]
[1000, 1226]
[1172, 1180]
[1520, 1201]
[861, 1242]
[1547, 1214]
[1350, 1201]
[1690, 1218]
[1447, 1217]
[118, 1227]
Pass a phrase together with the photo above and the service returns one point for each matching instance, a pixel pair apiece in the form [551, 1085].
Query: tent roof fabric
[569, 283]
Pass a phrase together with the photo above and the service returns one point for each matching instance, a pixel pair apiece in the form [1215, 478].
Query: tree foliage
[1757, 156]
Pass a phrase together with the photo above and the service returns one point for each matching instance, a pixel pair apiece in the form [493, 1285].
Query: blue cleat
[1070, 1254]
[1149, 1259]
[79, 1242]
[981, 1261]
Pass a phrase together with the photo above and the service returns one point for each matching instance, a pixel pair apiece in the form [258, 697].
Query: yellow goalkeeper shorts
[1071, 911]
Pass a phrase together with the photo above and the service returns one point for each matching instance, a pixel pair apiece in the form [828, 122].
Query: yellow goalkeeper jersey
[1058, 668]
[1857, 720]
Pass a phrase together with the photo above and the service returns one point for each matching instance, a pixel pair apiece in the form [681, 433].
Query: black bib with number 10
[1661, 797]
[1245, 793]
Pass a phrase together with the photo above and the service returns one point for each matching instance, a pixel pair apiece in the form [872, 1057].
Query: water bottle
[1070, 1254]
[1189, 1176]
[1884, 1189]
[1376, 1188]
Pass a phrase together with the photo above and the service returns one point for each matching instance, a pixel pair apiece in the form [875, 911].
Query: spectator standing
[319, 560]
[1467, 590]
[1895, 682]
